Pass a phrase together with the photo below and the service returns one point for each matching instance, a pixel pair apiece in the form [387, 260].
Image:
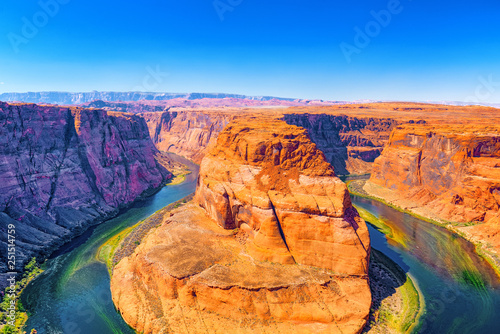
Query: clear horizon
[369, 50]
[278, 97]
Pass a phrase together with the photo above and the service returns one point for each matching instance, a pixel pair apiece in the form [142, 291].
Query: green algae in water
[391, 232]
[474, 279]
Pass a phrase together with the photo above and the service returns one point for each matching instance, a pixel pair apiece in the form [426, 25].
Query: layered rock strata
[62, 169]
[272, 181]
[447, 172]
[350, 144]
[187, 133]
[270, 244]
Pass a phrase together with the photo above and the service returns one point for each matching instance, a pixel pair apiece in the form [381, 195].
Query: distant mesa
[67, 98]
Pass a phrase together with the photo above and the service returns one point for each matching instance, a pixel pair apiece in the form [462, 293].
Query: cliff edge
[270, 243]
[449, 173]
[63, 169]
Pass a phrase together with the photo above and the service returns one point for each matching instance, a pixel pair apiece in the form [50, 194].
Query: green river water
[73, 294]
[461, 290]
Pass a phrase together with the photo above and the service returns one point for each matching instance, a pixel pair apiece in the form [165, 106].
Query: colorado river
[73, 294]
[460, 289]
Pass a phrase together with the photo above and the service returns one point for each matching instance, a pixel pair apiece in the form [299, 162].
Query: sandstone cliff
[445, 172]
[271, 178]
[454, 171]
[350, 144]
[270, 244]
[187, 133]
[350, 136]
[63, 169]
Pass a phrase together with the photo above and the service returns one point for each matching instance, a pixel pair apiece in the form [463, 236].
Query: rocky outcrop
[449, 173]
[63, 169]
[271, 243]
[187, 133]
[350, 144]
[453, 172]
[270, 178]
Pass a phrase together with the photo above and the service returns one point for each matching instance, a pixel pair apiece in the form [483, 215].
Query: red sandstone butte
[271, 243]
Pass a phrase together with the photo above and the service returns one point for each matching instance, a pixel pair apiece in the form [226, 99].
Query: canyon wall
[446, 172]
[271, 243]
[453, 171]
[187, 133]
[350, 144]
[63, 169]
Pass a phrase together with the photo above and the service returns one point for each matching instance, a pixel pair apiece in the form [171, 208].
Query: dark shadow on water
[385, 277]
[76, 242]
[73, 243]
[379, 242]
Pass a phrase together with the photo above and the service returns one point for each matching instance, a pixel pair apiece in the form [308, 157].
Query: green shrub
[8, 329]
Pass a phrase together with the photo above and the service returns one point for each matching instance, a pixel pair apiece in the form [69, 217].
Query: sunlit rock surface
[270, 244]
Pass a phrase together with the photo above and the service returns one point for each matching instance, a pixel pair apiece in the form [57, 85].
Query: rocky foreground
[271, 243]
[63, 169]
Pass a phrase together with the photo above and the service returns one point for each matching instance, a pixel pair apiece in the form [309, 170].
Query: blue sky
[419, 50]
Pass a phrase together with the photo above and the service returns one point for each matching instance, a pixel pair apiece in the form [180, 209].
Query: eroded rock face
[187, 133]
[453, 172]
[270, 178]
[350, 144]
[63, 169]
[297, 263]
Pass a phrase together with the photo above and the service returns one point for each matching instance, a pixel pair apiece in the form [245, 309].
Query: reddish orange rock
[274, 246]
[451, 170]
[185, 133]
[270, 177]
[446, 172]
[191, 276]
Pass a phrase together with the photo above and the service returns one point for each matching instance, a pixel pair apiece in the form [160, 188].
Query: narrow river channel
[461, 290]
[73, 294]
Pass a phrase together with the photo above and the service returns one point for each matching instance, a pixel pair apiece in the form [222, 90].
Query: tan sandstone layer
[350, 135]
